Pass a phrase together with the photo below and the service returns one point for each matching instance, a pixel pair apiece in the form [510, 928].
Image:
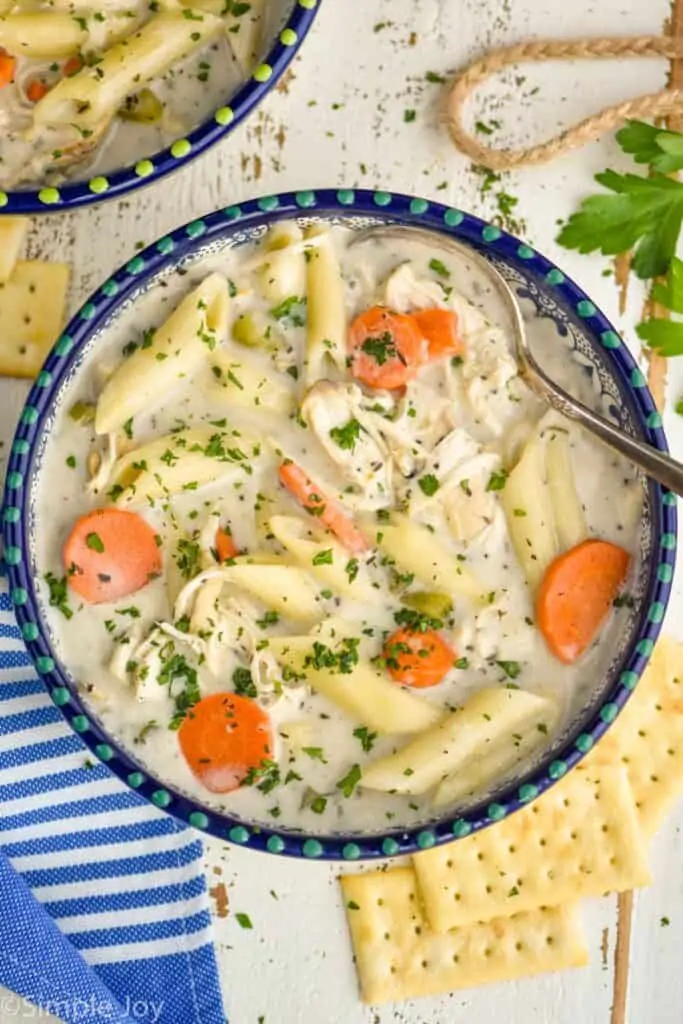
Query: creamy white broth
[155, 112]
[317, 744]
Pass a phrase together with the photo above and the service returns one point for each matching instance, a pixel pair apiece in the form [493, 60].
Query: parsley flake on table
[243, 920]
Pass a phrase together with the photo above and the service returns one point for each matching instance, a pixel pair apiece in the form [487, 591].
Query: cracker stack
[502, 903]
[32, 303]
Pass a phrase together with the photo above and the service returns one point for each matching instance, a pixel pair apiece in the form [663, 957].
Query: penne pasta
[530, 512]
[184, 461]
[326, 324]
[177, 348]
[283, 273]
[363, 693]
[416, 550]
[42, 34]
[324, 558]
[570, 520]
[442, 750]
[94, 94]
[244, 384]
[493, 764]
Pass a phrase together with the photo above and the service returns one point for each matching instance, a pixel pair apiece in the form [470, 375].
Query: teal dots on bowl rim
[638, 378]
[610, 339]
[196, 229]
[583, 743]
[161, 798]
[312, 848]
[346, 196]
[19, 596]
[239, 834]
[80, 723]
[490, 233]
[527, 792]
[20, 447]
[665, 572]
[13, 557]
[4, 199]
[232, 212]
[496, 812]
[44, 379]
[198, 819]
[305, 199]
[390, 847]
[288, 37]
[29, 631]
[525, 252]
[44, 664]
[557, 769]
[64, 345]
[15, 480]
[419, 206]
[453, 218]
[555, 276]
[668, 541]
[609, 712]
[645, 647]
[165, 246]
[135, 779]
[60, 696]
[426, 839]
[88, 311]
[628, 679]
[350, 851]
[11, 515]
[275, 844]
[585, 309]
[656, 612]
[461, 828]
[136, 265]
[110, 289]
[381, 198]
[29, 415]
[104, 752]
[268, 203]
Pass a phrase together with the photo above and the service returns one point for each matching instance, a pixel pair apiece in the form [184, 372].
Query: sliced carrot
[72, 66]
[110, 553]
[327, 510]
[8, 66]
[576, 594]
[440, 328]
[224, 545]
[386, 348]
[35, 90]
[418, 659]
[224, 738]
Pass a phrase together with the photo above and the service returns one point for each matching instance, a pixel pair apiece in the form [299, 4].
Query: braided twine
[653, 105]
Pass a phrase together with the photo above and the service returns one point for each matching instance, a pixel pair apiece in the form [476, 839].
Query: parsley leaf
[662, 150]
[511, 668]
[381, 348]
[243, 683]
[439, 268]
[59, 594]
[642, 213]
[497, 481]
[94, 542]
[350, 780]
[367, 738]
[429, 484]
[243, 920]
[347, 435]
[290, 312]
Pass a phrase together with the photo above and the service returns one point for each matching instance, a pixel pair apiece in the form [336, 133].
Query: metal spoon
[653, 463]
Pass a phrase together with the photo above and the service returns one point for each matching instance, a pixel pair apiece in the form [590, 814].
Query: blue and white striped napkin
[119, 912]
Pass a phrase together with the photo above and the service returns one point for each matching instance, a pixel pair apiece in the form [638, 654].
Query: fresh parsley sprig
[643, 214]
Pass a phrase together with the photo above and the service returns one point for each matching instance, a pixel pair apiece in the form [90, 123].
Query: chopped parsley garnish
[415, 621]
[265, 777]
[243, 683]
[351, 569]
[342, 659]
[270, 618]
[511, 668]
[291, 312]
[188, 557]
[243, 920]
[347, 435]
[367, 738]
[94, 542]
[350, 780]
[428, 484]
[128, 428]
[59, 594]
[315, 754]
[439, 268]
[381, 349]
[174, 669]
[325, 557]
[71, 461]
[625, 601]
[497, 481]
[318, 804]
[409, 115]
[462, 663]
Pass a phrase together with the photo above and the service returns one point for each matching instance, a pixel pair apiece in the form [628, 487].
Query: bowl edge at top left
[147, 171]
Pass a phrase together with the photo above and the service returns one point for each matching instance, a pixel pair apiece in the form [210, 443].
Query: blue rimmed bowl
[297, 18]
[620, 389]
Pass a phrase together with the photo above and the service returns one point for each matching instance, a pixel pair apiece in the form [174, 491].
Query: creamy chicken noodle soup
[310, 548]
[91, 86]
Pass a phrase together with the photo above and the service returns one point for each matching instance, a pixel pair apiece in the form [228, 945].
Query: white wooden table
[339, 119]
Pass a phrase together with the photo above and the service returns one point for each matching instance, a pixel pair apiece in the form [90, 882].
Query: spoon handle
[653, 463]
